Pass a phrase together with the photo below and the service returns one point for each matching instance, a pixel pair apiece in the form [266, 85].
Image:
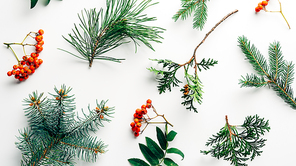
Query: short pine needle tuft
[104, 30]
[277, 73]
[54, 137]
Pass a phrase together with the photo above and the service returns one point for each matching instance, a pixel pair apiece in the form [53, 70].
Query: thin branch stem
[280, 11]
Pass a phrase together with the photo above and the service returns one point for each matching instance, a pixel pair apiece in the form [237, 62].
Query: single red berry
[264, 3]
[148, 105]
[101, 116]
[136, 120]
[17, 72]
[139, 124]
[13, 72]
[33, 55]
[144, 111]
[39, 49]
[25, 58]
[257, 9]
[20, 66]
[41, 31]
[41, 43]
[132, 124]
[22, 71]
[38, 38]
[31, 59]
[21, 79]
[17, 76]
[26, 77]
[32, 71]
[136, 134]
[29, 71]
[9, 73]
[15, 66]
[32, 67]
[26, 68]
[40, 61]
[260, 7]
[149, 101]
[138, 111]
[23, 62]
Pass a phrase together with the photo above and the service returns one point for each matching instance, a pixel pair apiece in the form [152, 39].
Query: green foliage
[198, 7]
[277, 73]
[156, 154]
[54, 137]
[34, 2]
[167, 79]
[100, 32]
[238, 144]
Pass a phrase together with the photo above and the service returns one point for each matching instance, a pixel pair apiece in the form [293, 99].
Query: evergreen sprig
[192, 90]
[238, 144]
[277, 73]
[54, 136]
[198, 7]
[100, 32]
[34, 2]
[157, 154]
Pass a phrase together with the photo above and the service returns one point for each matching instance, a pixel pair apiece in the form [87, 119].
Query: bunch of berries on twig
[262, 6]
[29, 63]
[141, 116]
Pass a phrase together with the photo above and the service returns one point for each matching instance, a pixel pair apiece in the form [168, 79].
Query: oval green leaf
[161, 138]
[47, 2]
[176, 151]
[149, 156]
[33, 3]
[172, 134]
[169, 162]
[156, 150]
[137, 162]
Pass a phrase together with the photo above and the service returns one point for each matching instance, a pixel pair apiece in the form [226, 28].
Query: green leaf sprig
[34, 2]
[54, 137]
[239, 143]
[277, 73]
[198, 7]
[157, 154]
[100, 32]
[192, 91]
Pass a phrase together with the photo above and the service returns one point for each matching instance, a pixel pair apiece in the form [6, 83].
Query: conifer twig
[192, 91]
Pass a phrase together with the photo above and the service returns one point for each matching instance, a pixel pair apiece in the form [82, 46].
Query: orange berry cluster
[186, 89]
[29, 64]
[138, 118]
[261, 5]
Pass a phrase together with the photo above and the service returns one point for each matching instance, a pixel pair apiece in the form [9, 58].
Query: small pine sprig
[100, 32]
[238, 147]
[34, 2]
[198, 7]
[54, 136]
[277, 73]
[157, 154]
[192, 91]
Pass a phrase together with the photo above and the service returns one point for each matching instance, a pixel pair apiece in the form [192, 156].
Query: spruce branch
[277, 74]
[102, 31]
[198, 7]
[192, 90]
[238, 144]
[54, 136]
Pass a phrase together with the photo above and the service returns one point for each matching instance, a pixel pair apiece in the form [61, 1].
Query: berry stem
[8, 45]
[281, 11]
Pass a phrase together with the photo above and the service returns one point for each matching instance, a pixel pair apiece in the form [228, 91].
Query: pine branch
[238, 147]
[54, 137]
[192, 91]
[279, 74]
[99, 33]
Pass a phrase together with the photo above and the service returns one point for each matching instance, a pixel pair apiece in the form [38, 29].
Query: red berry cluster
[29, 63]
[138, 118]
[261, 5]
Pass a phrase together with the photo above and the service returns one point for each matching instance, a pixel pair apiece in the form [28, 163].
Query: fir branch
[238, 147]
[279, 74]
[99, 33]
[199, 8]
[192, 91]
[54, 137]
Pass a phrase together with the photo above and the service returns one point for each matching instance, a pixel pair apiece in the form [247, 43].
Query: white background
[129, 84]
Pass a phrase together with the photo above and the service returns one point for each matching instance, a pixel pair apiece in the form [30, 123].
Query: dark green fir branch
[277, 73]
[239, 143]
[104, 30]
[54, 136]
[157, 154]
[198, 7]
[192, 90]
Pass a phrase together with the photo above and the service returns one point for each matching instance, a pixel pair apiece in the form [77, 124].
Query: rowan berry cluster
[138, 118]
[261, 5]
[29, 63]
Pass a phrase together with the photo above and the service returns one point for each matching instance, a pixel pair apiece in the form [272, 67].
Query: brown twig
[206, 36]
